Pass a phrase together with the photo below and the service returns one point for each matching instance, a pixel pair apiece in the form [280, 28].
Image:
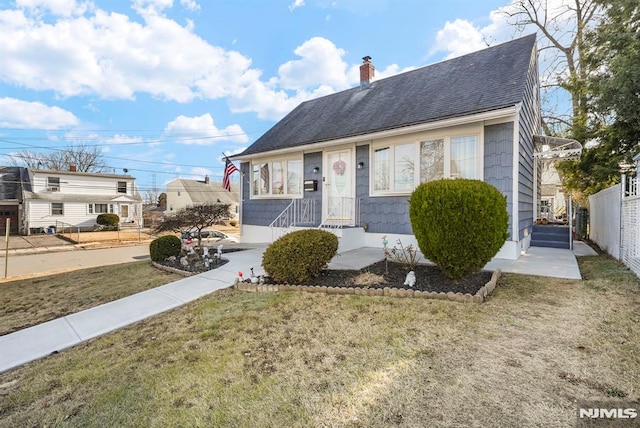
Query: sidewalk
[44, 339]
[39, 341]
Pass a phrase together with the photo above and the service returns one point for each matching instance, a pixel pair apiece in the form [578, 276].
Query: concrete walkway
[41, 340]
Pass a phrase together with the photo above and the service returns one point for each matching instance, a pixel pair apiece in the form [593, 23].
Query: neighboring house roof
[85, 174]
[13, 180]
[482, 81]
[69, 197]
[208, 193]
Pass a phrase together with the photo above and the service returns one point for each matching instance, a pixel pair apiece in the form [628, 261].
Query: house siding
[81, 184]
[529, 118]
[388, 214]
[498, 161]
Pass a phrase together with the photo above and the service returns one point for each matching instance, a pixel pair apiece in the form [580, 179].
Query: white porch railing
[299, 212]
[345, 213]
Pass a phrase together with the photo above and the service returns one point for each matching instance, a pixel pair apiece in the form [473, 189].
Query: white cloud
[320, 64]
[34, 115]
[458, 38]
[200, 172]
[151, 7]
[190, 4]
[111, 56]
[201, 130]
[319, 71]
[296, 4]
[55, 7]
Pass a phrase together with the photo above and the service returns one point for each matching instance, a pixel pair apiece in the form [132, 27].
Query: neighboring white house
[183, 193]
[77, 198]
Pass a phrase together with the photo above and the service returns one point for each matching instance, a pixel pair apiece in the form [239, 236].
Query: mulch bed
[196, 264]
[428, 278]
[389, 274]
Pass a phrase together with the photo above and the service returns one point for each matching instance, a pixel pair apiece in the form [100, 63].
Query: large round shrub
[459, 224]
[108, 219]
[299, 256]
[164, 246]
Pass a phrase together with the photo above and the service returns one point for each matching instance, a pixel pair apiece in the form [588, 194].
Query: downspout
[241, 205]
[515, 197]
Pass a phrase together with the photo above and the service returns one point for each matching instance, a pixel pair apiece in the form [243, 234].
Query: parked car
[209, 237]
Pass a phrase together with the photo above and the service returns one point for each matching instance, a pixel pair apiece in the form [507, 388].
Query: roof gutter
[455, 121]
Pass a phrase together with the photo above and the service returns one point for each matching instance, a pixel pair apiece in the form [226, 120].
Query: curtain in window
[277, 181]
[264, 179]
[381, 168]
[463, 157]
[431, 160]
[294, 177]
[403, 169]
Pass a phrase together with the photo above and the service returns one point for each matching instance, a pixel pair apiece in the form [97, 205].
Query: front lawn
[31, 301]
[298, 359]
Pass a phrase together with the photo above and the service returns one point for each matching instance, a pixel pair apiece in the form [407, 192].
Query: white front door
[338, 196]
[124, 211]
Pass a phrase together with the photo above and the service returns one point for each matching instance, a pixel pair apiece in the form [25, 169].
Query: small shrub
[459, 224]
[406, 256]
[164, 247]
[108, 219]
[299, 256]
[233, 223]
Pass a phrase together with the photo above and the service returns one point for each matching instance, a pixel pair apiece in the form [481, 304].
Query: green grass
[32, 301]
[298, 359]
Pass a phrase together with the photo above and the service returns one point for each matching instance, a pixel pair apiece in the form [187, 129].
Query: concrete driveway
[18, 242]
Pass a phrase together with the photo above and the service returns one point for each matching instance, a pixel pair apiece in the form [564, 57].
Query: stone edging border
[172, 270]
[479, 297]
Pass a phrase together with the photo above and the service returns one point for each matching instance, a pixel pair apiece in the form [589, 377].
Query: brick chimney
[367, 71]
[206, 179]
[72, 167]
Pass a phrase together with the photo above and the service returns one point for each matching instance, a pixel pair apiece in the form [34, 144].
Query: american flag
[229, 168]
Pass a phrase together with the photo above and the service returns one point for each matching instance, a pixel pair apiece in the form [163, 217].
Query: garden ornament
[411, 279]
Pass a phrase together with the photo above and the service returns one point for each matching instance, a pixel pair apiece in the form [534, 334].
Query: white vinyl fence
[615, 221]
[604, 219]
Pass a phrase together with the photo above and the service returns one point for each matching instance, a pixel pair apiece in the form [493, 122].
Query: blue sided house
[349, 161]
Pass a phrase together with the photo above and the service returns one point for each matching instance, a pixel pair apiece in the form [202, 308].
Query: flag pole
[226, 158]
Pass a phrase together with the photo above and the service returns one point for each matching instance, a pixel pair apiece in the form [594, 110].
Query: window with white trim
[121, 187]
[53, 184]
[100, 208]
[398, 168]
[57, 208]
[276, 178]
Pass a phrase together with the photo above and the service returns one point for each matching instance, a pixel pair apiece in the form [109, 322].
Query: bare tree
[29, 159]
[194, 218]
[86, 158]
[562, 50]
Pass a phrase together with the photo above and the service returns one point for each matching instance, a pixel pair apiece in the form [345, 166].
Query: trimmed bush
[459, 224]
[108, 219]
[299, 256]
[164, 247]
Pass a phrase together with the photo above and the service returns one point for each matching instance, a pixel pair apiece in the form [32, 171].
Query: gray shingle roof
[482, 81]
[203, 193]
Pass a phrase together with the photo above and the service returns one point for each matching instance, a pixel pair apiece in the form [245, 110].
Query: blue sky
[163, 87]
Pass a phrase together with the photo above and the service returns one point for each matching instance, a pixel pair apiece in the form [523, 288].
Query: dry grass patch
[368, 279]
[32, 301]
[301, 359]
